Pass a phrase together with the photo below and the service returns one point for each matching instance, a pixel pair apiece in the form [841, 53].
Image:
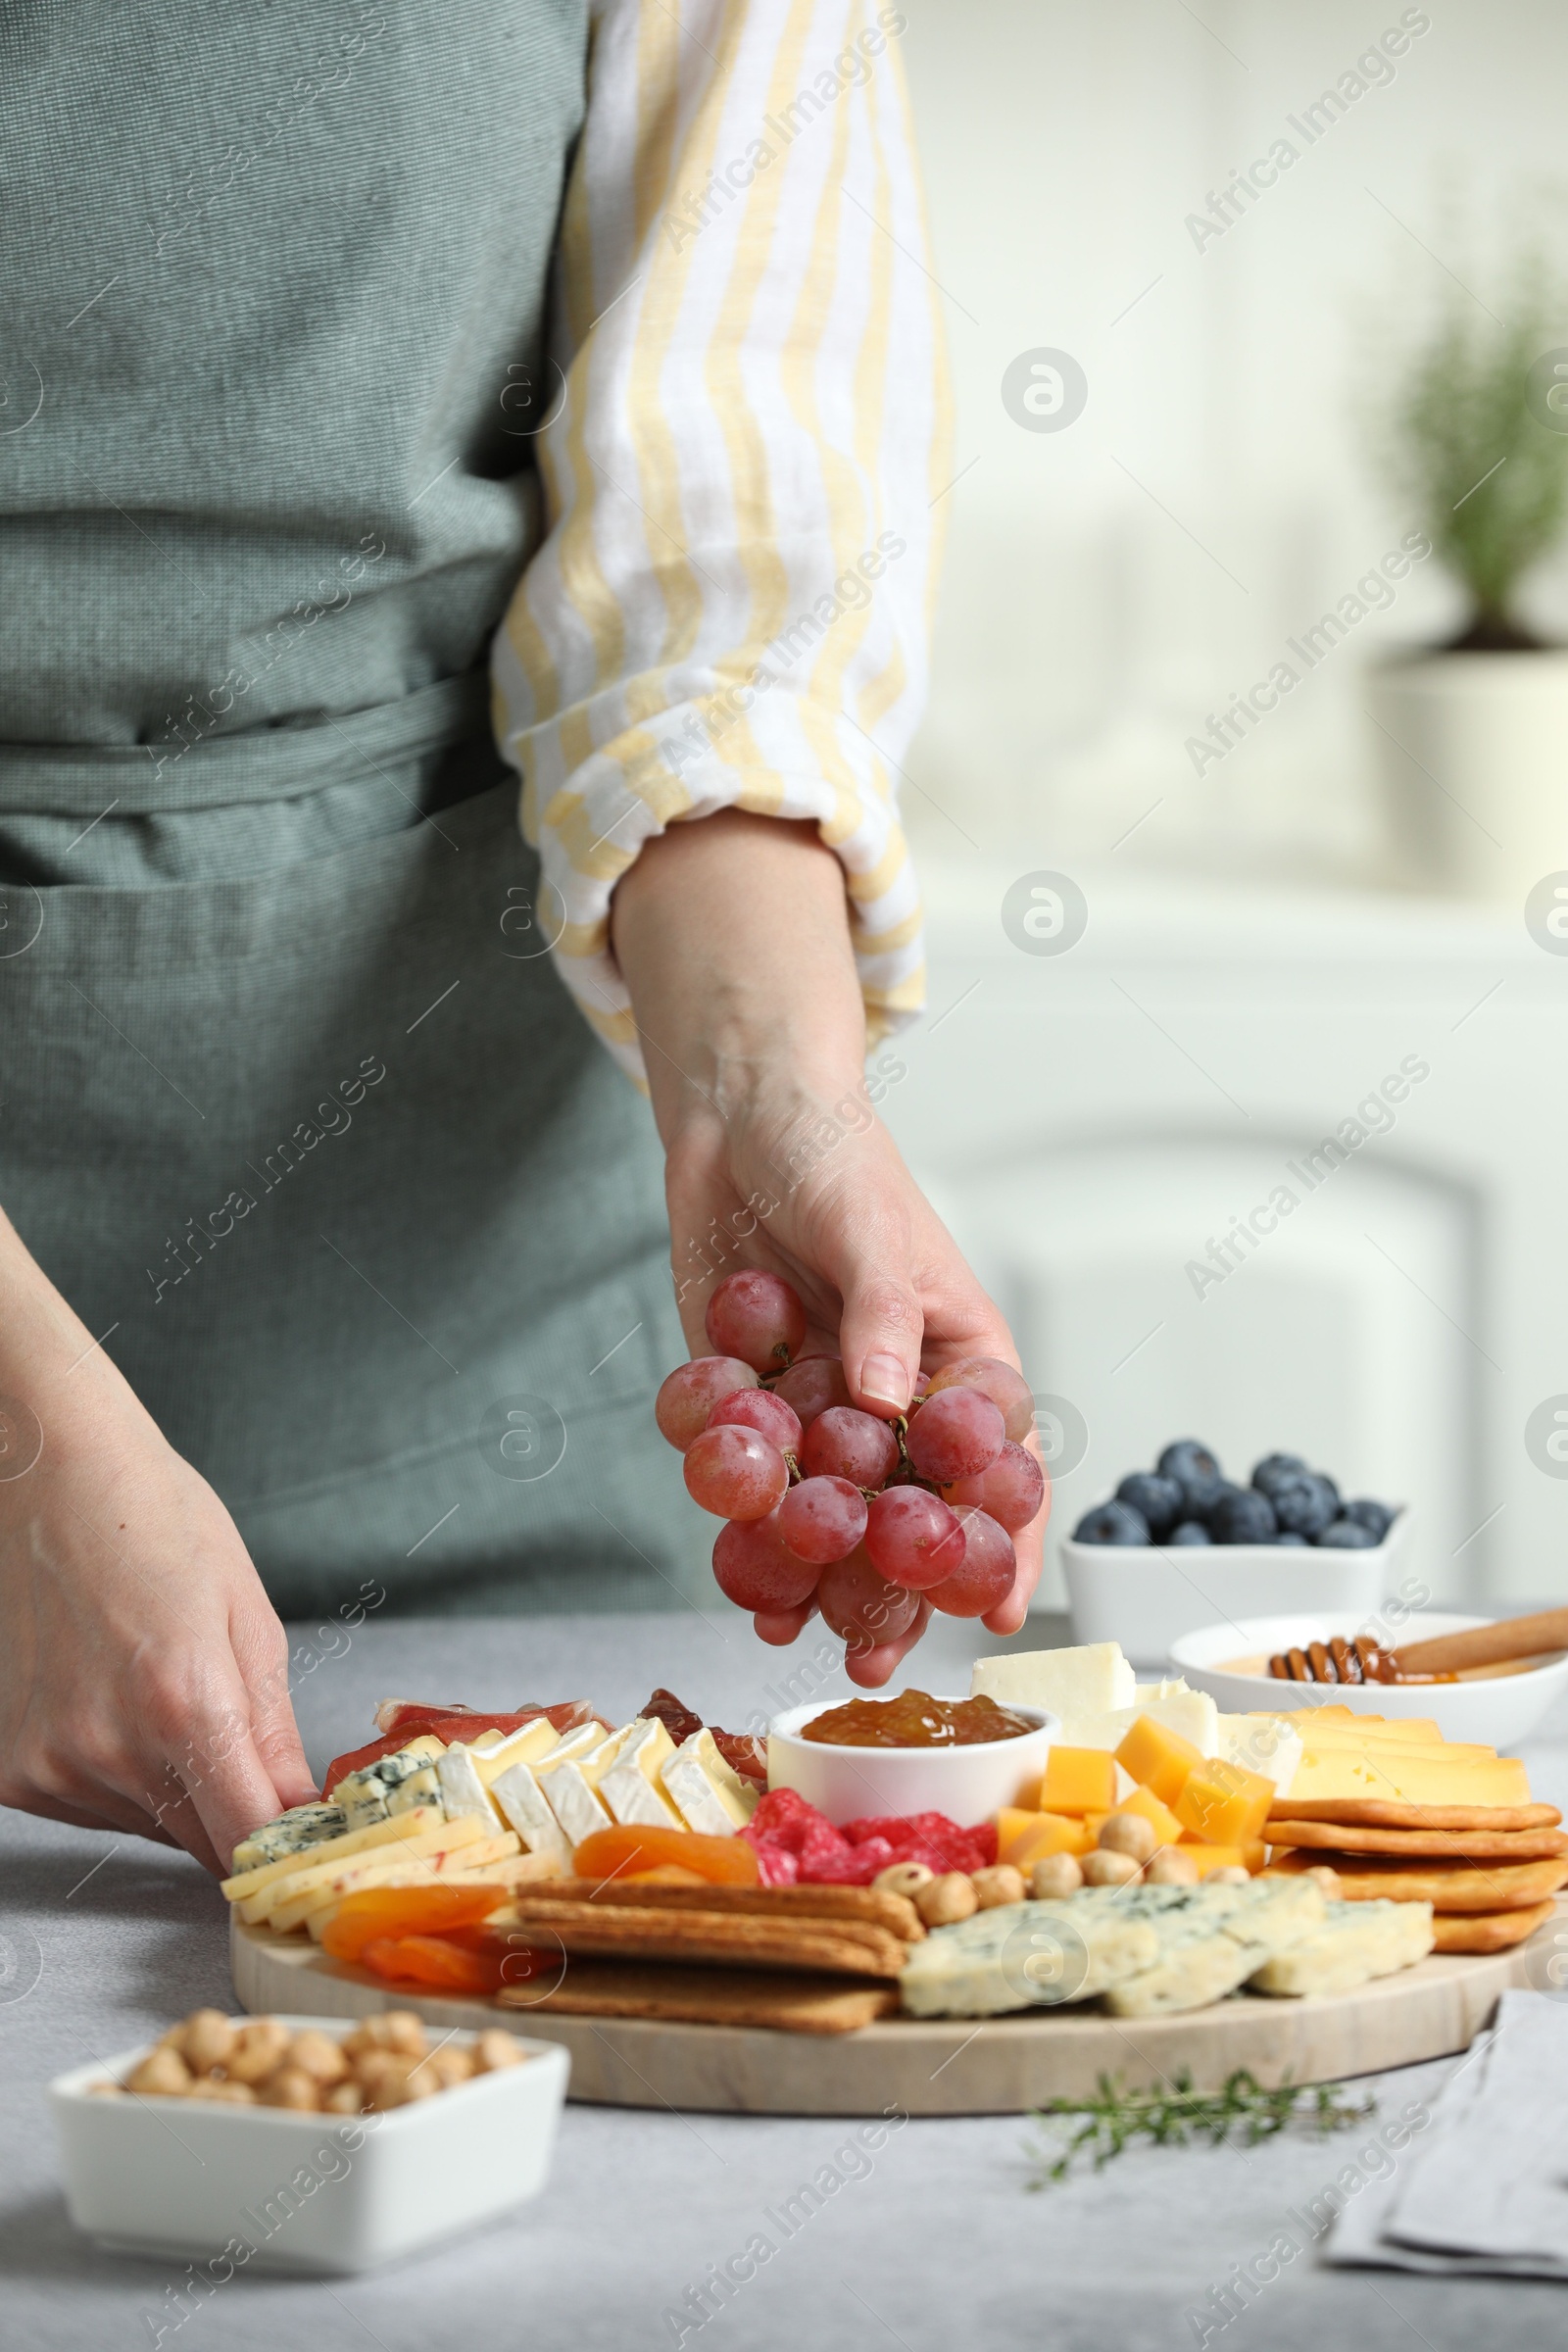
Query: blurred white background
[1260, 949]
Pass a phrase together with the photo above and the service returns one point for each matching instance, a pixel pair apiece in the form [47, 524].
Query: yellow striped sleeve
[730, 605]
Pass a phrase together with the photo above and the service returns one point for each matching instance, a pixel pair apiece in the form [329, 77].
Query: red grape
[956, 1433]
[990, 1565]
[755, 1568]
[860, 1606]
[1012, 1491]
[761, 1409]
[842, 1443]
[822, 1519]
[689, 1395]
[736, 1473]
[912, 1537]
[811, 1385]
[1006, 1389]
[758, 1317]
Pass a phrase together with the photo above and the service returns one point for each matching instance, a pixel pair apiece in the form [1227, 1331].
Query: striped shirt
[742, 468]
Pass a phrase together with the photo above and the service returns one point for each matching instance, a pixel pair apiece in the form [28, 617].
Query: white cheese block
[630, 1787]
[1261, 1743]
[570, 1781]
[1029, 1955]
[1091, 1680]
[1356, 1941]
[710, 1794]
[461, 1790]
[1192, 1713]
[524, 1808]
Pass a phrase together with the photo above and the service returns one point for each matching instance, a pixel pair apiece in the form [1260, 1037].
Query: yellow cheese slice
[332, 1849]
[441, 1835]
[1322, 1723]
[355, 1877]
[1412, 1776]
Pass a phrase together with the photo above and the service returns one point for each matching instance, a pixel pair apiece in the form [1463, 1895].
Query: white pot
[1472, 752]
[851, 1784]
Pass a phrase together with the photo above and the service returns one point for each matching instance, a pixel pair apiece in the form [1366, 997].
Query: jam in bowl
[915, 1753]
[914, 1719]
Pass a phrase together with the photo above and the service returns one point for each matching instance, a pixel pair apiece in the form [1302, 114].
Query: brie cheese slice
[522, 1804]
[710, 1794]
[568, 1776]
[631, 1786]
[462, 1789]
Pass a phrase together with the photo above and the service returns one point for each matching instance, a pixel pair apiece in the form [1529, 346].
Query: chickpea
[162, 2075]
[345, 2098]
[1056, 1876]
[107, 2089]
[1000, 1884]
[1107, 1867]
[494, 2050]
[229, 2094]
[319, 2055]
[206, 2041]
[291, 2086]
[258, 2050]
[903, 1878]
[1170, 1867]
[378, 2067]
[946, 1900]
[450, 2065]
[1128, 1834]
[1230, 1874]
[389, 2029]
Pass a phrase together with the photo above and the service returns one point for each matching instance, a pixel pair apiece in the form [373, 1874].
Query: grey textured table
[937, 2242]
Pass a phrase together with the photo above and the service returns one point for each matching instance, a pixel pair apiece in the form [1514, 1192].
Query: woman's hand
[144, 1673]
[733, 938]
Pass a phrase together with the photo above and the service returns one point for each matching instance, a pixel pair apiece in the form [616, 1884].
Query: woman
[351, 347]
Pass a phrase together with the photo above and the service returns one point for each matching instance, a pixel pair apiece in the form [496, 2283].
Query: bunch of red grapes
[868, 1517]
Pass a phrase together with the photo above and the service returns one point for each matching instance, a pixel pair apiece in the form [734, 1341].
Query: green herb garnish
[1114, 2118]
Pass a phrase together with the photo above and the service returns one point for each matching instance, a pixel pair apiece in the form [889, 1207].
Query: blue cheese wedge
[631, 1786]
[710, 1794]
[1029, 1955]
[365, 1795]
[1356, 1942]
[291, 1833]
[1211, 1940]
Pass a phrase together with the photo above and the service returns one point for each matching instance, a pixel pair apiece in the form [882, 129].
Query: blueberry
[1223, 1495]
[1375, 1515]
[1245, 1517]
[1348, 1535]
[1190, 1530]
[1300, 1542]
[1158, 1501]
[1304, 1505]
[1194, 1470]
[1274, 1467]
[1111, 1523]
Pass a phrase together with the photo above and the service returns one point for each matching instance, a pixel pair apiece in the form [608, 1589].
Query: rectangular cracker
[1346, 1838]
[1489, 1931]
[872, 1904]
[1386, 1813]
[855, 1947]
[1448, 1886]
[709, 1996]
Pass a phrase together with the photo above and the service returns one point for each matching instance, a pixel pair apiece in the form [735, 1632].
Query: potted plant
[1472, 735]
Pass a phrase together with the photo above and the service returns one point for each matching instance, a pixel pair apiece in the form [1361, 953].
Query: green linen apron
[293, 1108]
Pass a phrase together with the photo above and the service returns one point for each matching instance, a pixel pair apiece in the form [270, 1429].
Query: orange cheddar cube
[1248, 1857]
[1157, 1758]
[1168, 1829]
[1078, 1779]
[1024, 1838]
[1222, 1804]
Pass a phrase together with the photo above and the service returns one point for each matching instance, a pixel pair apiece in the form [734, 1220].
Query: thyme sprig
[1115, 2118]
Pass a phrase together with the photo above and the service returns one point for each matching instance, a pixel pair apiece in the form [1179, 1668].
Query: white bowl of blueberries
[1181, 1545]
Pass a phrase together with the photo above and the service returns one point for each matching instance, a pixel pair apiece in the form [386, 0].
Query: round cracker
[1462, 1845]
[1505, 1887]
[1388, 1813]
[1489, 1931]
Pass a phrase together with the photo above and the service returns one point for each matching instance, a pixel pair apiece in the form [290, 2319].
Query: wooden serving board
[996, 2066]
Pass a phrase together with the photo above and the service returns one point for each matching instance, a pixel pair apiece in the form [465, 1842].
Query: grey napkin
[1485, 2188]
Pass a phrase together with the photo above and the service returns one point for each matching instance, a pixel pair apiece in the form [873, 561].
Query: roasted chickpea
[318, 2055]
[903, 1878]
[206, 2041]
[1128, 1834]
[258, 2050]
[494, 2050]
[1056, 1876]
[1230, 1874]
[291, 2086]
[162, 2075]
[229, 2094]
[1000, 1884]
[1107, 1867]
[1170, 1867]
[945, 1901]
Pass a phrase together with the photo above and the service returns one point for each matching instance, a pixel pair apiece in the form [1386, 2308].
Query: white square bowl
[1146, 1597]
[263, 2188]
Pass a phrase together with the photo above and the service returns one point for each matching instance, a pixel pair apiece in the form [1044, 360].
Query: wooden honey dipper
[1439, 1659]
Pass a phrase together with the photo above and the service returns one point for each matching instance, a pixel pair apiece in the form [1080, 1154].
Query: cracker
[1463, 1845]
[852, 1947]
[1489, 1931]
[1447, 1887]
[1386, 1813]
[709, 1996]
[876, 1904]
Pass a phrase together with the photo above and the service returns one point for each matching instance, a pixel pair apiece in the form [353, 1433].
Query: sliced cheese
[1336, 1722]
[498, 1751]
[1356, 1941]
[1411, 1776]
[463, 1791]
[1262, 1744]
[631, 1786]
[525, 1808]
[569, 1780]
[1093, 1679]
[289, 1835]
[357, 1876]
[708, 1793]
[335, 1849]
[441, 1836]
